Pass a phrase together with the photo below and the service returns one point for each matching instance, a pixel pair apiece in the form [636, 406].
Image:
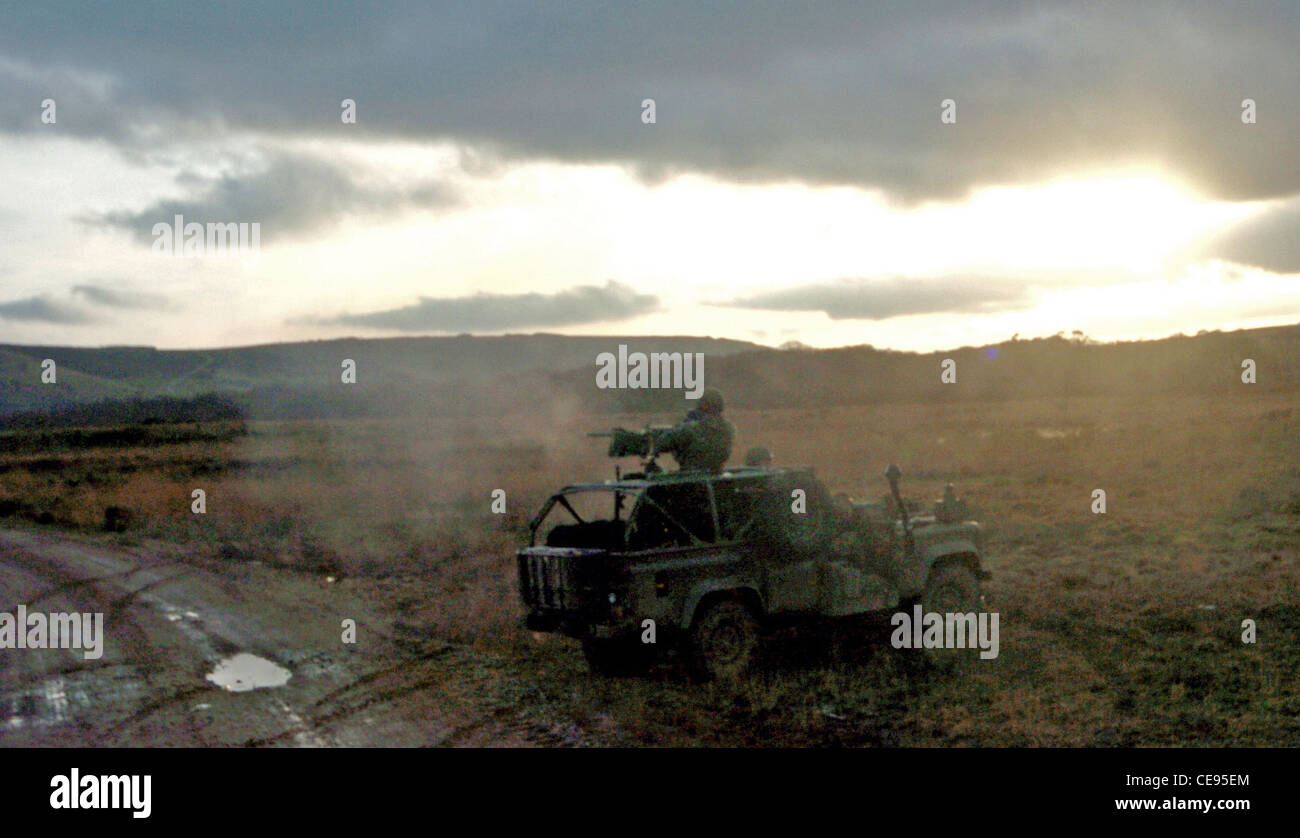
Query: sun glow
[1131, 224]
[735, 238]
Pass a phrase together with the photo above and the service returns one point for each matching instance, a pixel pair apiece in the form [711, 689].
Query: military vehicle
[714, 560]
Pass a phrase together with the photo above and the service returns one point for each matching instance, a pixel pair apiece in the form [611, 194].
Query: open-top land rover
[704, 562]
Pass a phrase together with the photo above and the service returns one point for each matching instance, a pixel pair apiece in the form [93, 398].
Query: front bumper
[576, 625]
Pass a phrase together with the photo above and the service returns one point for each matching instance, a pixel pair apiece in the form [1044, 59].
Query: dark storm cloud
[493, 312]
[42, 310]
[1270, 241]
[883, 298]
[292, 194]
[834, 92]
[113, 298]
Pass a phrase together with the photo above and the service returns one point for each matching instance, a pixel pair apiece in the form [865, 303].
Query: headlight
[612, 599]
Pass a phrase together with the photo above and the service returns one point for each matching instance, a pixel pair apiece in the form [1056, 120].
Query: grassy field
[1121, 628]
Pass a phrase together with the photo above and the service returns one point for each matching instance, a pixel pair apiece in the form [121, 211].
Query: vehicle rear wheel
[952, 589]
[725, 642]
[615, 658]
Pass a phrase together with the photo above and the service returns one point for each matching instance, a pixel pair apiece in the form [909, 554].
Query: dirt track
[168, 622]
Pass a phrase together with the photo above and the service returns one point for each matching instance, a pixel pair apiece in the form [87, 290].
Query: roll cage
[675, 510]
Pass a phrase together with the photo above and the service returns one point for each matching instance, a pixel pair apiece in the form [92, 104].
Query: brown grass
[1117, 629]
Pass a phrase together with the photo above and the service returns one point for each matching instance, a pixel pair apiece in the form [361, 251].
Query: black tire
[618, 658]
[725, 642]
[953, 588]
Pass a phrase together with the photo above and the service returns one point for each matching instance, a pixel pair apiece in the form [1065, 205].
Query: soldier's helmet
[758, 456]
[710, 402]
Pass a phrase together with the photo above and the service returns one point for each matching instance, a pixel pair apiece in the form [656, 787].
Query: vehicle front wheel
[954, 589]
[724, 642]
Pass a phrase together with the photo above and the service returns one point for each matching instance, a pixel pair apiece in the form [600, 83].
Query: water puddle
[245, 672]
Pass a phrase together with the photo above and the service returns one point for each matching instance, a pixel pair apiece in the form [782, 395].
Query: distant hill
[411, 365]
[467, 376]
[1208, 363]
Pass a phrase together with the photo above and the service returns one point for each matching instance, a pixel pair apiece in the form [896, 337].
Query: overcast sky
[798, 180]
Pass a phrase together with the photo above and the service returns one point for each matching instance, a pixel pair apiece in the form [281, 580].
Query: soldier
[703, 441]
[758, 457]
